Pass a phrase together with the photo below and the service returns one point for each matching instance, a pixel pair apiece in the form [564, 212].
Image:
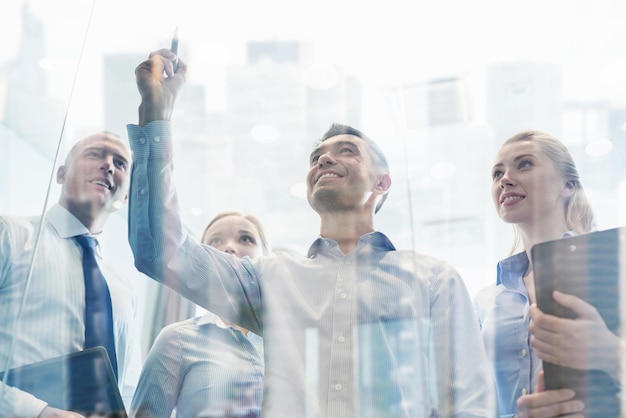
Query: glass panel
[439, 86]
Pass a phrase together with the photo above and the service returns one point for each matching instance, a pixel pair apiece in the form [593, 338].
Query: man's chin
[117, 204]
[325, 200]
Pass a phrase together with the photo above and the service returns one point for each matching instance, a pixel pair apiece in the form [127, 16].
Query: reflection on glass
[439, 103]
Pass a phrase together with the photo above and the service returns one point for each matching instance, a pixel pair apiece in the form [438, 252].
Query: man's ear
[61, 174]
[568, 189]
[384, 183]
[382, 189]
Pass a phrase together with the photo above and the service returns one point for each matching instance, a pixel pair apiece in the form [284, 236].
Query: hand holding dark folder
[582, 341]
[589, 267]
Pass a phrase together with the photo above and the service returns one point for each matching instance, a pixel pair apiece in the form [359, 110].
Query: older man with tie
[57, 296]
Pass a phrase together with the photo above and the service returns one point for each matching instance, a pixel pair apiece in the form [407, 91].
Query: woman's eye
[214, 241]
[496, 174]
[525, 163]
[248, 239]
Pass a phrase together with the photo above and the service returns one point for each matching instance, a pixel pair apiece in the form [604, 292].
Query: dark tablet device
[82, 382]
[593, 267]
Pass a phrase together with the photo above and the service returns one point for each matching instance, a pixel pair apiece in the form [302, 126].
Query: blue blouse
[502, 311]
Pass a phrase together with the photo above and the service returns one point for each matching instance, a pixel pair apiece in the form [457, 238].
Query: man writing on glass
[356, 328]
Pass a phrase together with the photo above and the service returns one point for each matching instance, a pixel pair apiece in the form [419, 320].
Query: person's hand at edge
[548, 404]
[158, 85]
[582, 343]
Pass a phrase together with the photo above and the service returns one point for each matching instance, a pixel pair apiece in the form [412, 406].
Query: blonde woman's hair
[578, 213]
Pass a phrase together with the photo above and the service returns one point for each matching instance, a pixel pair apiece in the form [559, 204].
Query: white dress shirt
[376, 332]
[52, 319]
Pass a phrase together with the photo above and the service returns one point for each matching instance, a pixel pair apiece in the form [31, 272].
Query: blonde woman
[536, 188]
[206, 366]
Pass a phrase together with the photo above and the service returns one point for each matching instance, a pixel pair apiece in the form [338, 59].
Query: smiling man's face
[342, 174]
[96, 175]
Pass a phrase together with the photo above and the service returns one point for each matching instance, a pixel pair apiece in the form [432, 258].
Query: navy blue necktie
[98, 309]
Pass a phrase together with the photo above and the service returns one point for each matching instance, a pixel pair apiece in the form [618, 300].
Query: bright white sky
[381, 42]
[409, 39]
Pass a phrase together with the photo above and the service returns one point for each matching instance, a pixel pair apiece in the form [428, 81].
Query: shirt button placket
[341, 351]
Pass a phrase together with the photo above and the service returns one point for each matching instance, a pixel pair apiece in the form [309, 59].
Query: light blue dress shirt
[202, 368]
[376, 332]
[52, 320]
[503, 316]
[502, 311]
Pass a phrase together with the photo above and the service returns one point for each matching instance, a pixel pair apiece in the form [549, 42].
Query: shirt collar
[210, 318]
[512, 269]
[65, 224]
[375, 239]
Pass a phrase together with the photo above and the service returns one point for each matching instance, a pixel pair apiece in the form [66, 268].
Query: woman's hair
[578, 212]
[265, 246]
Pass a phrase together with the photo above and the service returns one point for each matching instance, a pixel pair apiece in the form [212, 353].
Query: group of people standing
[355, 327]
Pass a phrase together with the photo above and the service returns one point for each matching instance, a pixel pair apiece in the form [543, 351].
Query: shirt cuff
[152, 141]
[15, 402]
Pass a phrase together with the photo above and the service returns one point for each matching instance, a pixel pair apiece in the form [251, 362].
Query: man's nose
[108, 164]
[325, 159]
